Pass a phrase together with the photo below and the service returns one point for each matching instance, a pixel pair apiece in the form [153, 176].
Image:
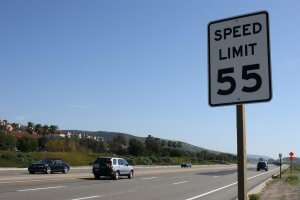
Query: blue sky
[140, 67]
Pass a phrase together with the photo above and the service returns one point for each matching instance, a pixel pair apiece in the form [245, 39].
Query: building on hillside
[68, 134]
[3, 122]
[9, 127]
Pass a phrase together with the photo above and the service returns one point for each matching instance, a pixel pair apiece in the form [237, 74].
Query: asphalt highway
[149, 183]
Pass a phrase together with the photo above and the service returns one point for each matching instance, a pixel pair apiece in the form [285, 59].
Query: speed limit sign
[239, 68]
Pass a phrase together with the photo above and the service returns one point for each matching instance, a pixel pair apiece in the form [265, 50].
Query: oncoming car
[49, 166]
[262, 165]
[112, 167]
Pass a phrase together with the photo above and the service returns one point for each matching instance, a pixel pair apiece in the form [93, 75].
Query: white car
[113, 167]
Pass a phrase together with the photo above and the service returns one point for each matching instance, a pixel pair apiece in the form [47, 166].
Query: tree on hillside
[163, 143]
[7, 142]
[179, 144]
[30, 127]
[42, 142]
[153, 144]
[27, 144]
[45, 129]
[53, 129]
[15, 126]
[169, 143]
[118, 144]
[38, 129]
[136, 147]
[174, 144]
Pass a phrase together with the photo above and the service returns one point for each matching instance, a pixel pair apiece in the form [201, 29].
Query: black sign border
[269, 60]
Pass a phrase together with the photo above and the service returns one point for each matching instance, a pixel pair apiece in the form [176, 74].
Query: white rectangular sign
[239, 67]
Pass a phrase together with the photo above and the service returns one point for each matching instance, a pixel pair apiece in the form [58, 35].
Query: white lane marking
[179, 182]
[148, 178]
[45, 188]
[216, 176]
[226, 186]
[91, 197]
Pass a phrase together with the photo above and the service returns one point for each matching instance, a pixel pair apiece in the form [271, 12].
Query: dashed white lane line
[91, 197]
[179, 182]
[226, 186]
[148, 178]
[216, 176]
[45, 188]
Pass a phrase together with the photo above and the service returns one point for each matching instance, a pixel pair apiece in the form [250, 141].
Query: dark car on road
[49, 166]
[262, 165]
[186, 165]
[113, 167]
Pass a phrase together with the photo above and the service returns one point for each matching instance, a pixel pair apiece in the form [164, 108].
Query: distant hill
[108, 136]
[255, 158]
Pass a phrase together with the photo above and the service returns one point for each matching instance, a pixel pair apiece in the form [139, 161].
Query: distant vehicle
[113, 167]
[262, 165]
[277, 163]
[49, 166]
[271, 161]
[186, 165]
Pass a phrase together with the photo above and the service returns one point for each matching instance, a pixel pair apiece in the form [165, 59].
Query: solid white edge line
[91, 197]
[45, 188]
[148, 178]
[179, 182]
[226, 186]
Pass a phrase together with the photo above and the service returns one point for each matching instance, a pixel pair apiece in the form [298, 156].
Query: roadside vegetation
[288, 187]
[19, 152]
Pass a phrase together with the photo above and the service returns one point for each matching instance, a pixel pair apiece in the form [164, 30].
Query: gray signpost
[280, 156]
[239, 72]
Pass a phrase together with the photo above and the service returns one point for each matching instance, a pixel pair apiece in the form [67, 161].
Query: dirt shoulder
[286, 188]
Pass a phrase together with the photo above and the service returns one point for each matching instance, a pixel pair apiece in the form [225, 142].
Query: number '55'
[245, 75]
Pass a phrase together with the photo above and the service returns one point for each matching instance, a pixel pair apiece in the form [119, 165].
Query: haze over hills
[185, 146]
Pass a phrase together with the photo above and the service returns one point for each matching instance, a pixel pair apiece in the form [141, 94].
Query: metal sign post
[291, 159]
[280, 155]
[241, 152]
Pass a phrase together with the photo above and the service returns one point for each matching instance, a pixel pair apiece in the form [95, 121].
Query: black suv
[48, 166]
[262, 165]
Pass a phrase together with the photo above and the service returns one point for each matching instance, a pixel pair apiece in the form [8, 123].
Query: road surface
[149, 183]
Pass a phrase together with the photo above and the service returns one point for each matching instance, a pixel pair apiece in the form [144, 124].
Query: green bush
[254, 197]
[154, 159]
[16, 159]
[142, 161]
[166, 159]
[27, 144]
[7, 142]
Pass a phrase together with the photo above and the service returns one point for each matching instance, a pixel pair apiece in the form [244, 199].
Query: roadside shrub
[143, 161]
[254, 197]
[166, 159]
[27, 144]
[7, 142]
[154, 159]
[19, 157]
